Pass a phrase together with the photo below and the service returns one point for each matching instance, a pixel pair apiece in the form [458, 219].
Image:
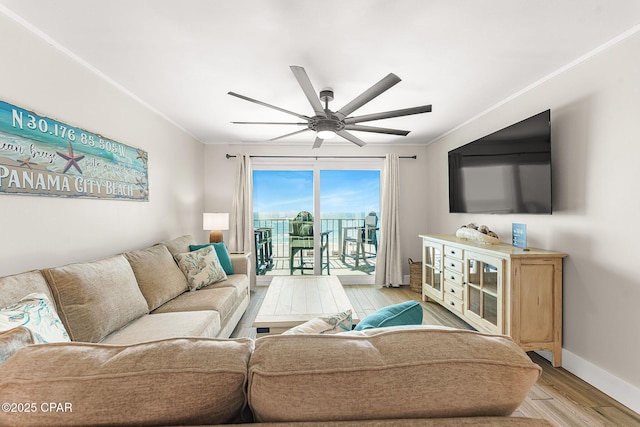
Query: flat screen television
[508, 171]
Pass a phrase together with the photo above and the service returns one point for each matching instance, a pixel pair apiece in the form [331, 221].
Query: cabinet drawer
[453, 264]
[453, 276]
[451, 288]
[453, 252]
[453, 303]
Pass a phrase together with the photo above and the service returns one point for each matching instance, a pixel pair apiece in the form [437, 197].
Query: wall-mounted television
[508, 171]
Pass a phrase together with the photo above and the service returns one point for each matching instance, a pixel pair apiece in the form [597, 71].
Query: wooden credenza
[498, 289]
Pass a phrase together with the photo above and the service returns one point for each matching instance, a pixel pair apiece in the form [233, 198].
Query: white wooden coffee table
[292, 300]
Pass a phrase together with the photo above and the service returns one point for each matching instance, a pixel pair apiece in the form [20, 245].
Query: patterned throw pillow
[36, 313]
[339, 322]
[222, 252]
[201, 268]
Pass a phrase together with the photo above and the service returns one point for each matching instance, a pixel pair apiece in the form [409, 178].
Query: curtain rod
[326, 157]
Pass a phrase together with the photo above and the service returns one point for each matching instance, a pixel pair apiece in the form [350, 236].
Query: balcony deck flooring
[336, 267]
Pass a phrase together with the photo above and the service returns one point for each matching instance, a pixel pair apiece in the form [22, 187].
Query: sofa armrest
[241, 263]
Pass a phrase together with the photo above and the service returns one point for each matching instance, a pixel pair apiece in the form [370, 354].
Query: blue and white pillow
[333, 324]
[37, 313]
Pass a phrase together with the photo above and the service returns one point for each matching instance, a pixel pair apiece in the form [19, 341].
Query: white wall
[219, 189]
[38, 232]
[595, 115]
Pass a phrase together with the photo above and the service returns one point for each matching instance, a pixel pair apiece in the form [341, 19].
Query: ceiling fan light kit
[326, 123]
[326, 134]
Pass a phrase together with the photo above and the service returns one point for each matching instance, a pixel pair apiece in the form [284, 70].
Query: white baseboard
[617, 388]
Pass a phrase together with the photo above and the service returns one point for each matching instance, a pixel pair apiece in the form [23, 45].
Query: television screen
[508, 171]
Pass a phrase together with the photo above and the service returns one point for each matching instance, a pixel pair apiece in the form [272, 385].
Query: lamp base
[215, 236]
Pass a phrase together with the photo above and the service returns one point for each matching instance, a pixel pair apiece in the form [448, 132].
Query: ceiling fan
[327, 123]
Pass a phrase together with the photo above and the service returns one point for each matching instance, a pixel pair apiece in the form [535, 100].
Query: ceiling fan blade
[389, 114]
[246, 98]
[377, 130]
[346, 135]
[318, 142]
[271, 123]
[366, 96]
[289, 134]
[309, 91]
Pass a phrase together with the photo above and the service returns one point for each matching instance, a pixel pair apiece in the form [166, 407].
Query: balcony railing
[279, 233]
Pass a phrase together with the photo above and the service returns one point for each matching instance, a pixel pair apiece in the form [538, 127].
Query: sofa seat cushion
[240, 282]
[225, 300]
[14, 288]
[151, 327]
[184, 381]
[96, 298]
[158, 275]
[446, 373]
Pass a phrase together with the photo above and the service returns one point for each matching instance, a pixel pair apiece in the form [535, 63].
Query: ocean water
[333, 222]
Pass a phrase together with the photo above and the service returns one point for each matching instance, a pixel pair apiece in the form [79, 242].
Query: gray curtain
[389, 262]
[241, 217]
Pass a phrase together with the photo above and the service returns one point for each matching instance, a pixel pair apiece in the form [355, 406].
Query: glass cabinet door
[432, 270]
[484, 290]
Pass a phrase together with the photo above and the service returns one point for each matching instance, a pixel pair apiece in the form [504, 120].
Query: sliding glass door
[350, 208]
[283, 206]
[316, 220]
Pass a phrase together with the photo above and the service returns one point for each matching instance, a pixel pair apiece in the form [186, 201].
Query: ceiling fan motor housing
[319, 123]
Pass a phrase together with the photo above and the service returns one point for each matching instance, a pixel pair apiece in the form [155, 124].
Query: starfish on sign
[142, 155]
[71, 159]
[27, 162]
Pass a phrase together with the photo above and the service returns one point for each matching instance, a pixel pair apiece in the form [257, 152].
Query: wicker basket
[415, 276]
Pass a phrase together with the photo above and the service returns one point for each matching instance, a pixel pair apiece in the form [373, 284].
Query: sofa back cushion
[179, 245]
[157, 274]
[14, 288]
[183, 381]
[387, 373]
[96, 298]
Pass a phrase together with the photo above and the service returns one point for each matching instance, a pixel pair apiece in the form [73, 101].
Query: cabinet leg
[557, 357]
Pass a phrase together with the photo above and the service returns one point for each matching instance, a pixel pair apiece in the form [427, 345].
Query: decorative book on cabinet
[498, 289]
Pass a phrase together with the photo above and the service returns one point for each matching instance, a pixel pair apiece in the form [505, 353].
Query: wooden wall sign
[43, 157]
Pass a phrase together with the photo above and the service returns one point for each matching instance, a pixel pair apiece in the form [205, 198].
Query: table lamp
[216, 222]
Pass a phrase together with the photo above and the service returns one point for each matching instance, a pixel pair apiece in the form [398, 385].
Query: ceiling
[181, 57]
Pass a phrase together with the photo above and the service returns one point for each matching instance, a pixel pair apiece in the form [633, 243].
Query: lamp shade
[215, 221]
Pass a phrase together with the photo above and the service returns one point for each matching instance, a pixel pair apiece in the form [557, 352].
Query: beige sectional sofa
[145, 351]
[388, 376]
[136, 296]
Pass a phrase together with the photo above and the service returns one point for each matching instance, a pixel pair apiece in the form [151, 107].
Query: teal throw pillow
[405, 313]
[221, 251]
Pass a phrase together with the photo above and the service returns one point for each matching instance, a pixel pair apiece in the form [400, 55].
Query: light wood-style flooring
[559, 396]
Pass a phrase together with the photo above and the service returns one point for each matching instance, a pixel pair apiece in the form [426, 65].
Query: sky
[289, 192]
